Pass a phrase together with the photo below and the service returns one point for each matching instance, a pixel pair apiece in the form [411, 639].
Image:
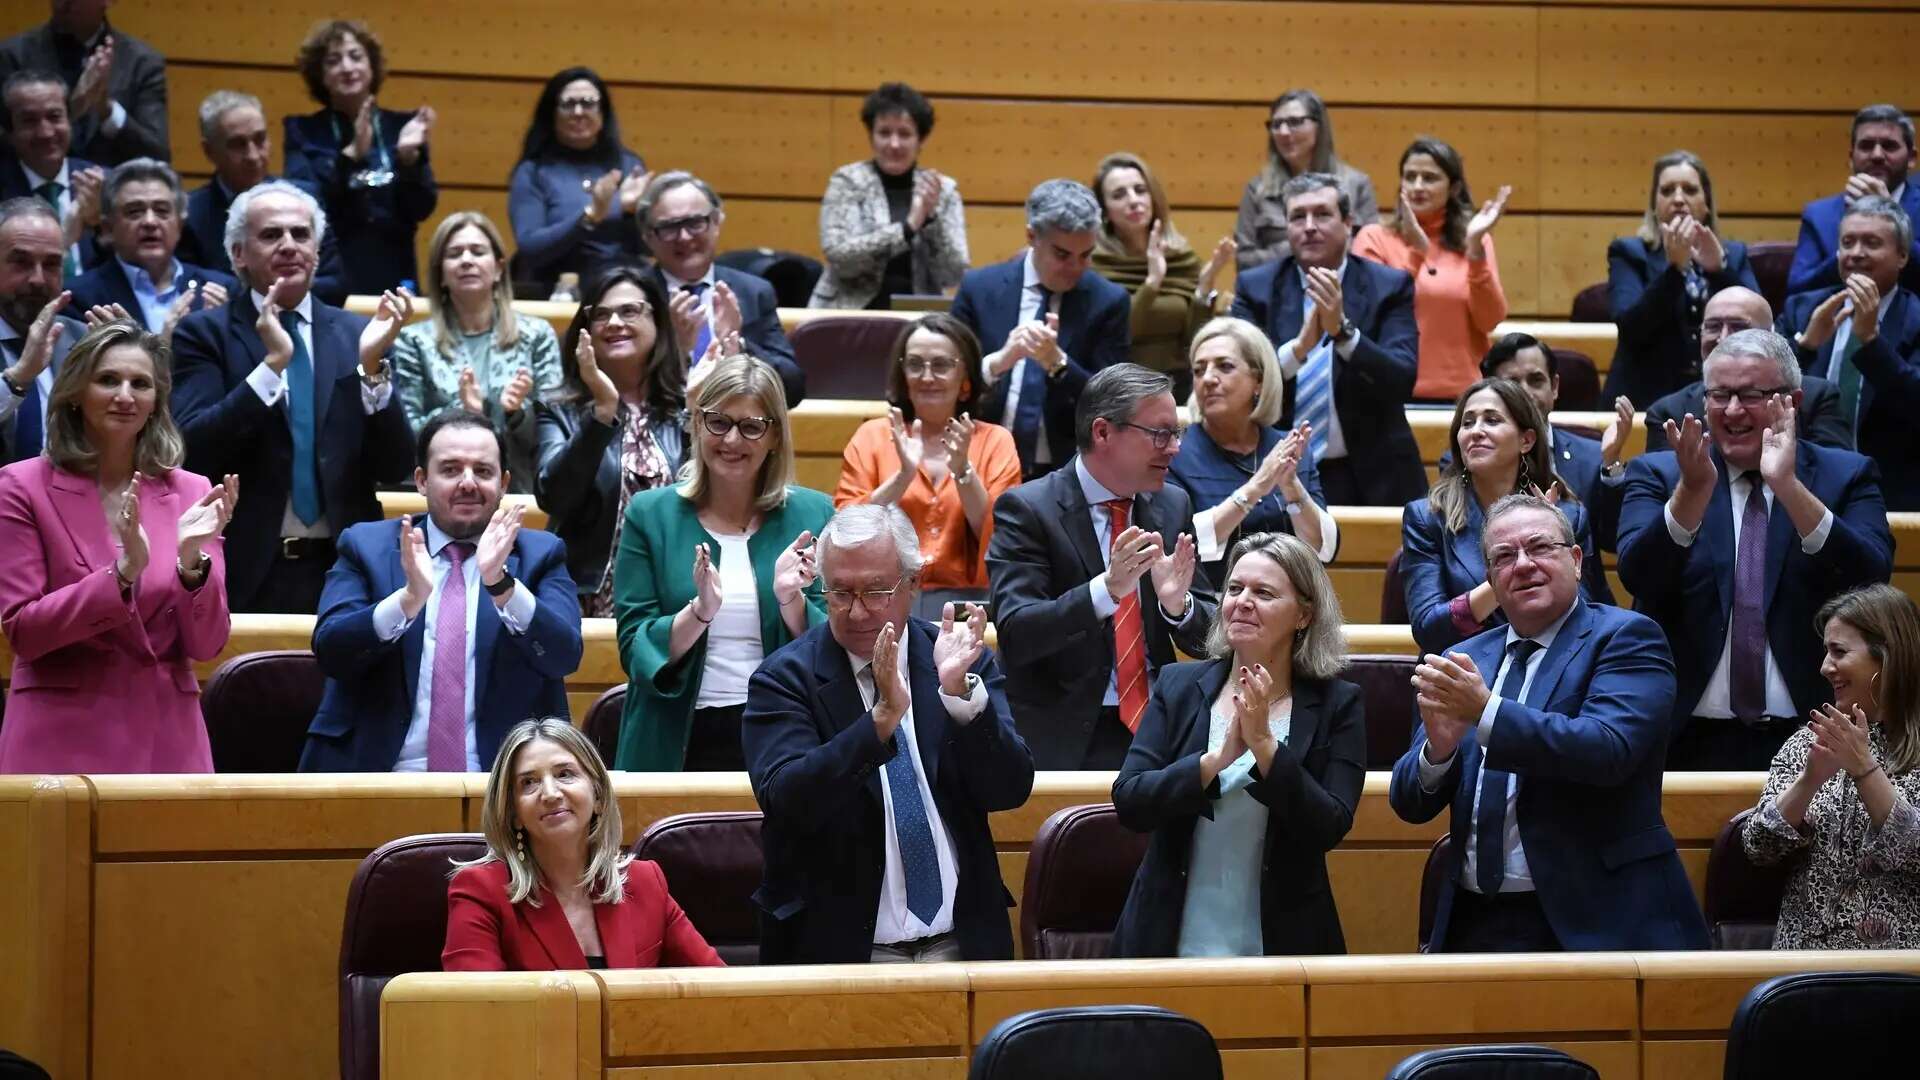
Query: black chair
[1493, 1063]
[1771, 261]
[845, 357]
[1743, 900]
[1079, 870]
[602, 725]
[1096, 1042]
[1393, 591]
[791, 274]
[15, 1067]
[1593, 304]
[258, 707]
[1579, 380]
[1432, 877]
[1386, 691]
[1825, 1023]
[712, 862]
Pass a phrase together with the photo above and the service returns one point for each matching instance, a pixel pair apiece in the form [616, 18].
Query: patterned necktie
[300, 392]
[1747, 661]
[1129, 635]
[1847, 374]
[447, 708]
[703, 339]
[1313, 390]
[1490, 819]
[1033, 381]
[51, 192]
[918, 862]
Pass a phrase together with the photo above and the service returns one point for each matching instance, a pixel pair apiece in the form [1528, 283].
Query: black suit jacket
[1889, 366]
[203, 240]
[228, 429]
[759, 325]
[138, 82]
[1042, 560]
[1658, 350]
[1818, 417]
[1310, 795]
[376, 224]
[108, 284]
[13, 185]
[817, 765]
[1371, 388]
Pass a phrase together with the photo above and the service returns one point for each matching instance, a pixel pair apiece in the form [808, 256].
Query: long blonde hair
[506, 328]
[605, 877]
[157, 449]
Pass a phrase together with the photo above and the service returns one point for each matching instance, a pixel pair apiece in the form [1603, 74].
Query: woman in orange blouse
[908, 458]
[1435, 235]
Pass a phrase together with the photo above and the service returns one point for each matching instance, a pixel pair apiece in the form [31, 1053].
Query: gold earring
[520, 842]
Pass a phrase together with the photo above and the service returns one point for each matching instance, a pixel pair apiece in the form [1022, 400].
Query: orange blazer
[956, 559]
[485, 932]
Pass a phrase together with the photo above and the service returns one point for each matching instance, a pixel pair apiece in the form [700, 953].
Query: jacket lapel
[1073, 308]
[413, 641]
[550, 927]
[1200, 721]
[1293, 300]
[327, 369]
[78, 501]
[1076, 519]
[1465, 544]
[929, 713]
[1309, 701]
[839, 695]
[486, 633]
[1719, 522]
[1007, 301]
[1781, 537]
[618, 943]
[1567, 644]
[121, 289]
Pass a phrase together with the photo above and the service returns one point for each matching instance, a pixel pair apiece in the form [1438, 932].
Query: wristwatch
[1347, 329]
[378, 377]
[17, 389]
[501, 587]
[1241, 501]
[1614, 471]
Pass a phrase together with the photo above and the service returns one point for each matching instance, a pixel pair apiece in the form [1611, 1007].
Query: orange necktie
[1129, 638]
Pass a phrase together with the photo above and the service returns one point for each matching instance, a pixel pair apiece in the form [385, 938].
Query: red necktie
[1129, 638]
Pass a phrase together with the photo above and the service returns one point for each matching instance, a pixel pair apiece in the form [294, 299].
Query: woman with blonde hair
[1298, 139]
[556, 890]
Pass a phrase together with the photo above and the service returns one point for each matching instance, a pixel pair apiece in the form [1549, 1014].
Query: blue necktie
[1313, 391]
[917, 859]
[703, 339]
[1033, 383]
[300, 388]
[27, 432]
[1490, 820]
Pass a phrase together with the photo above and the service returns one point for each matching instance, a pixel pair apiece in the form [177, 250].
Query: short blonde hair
[607, 861]
[158, 448]
[1320, 650]
[1257, 353]
[732, 377]
[506, 328]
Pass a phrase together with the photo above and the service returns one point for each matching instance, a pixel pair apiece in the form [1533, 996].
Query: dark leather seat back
[1743, 900]
[712, 863]
[602, 725]
[1593, 304]
[1835, 1023]
[845, 358]
[1393, 591]
[1579, 381]
[791, 274]
[1078, 873]
[1386, 691]
[396, 923]
[1771, 261]
[1096, 1042]
[258, 707]
[1493, 1063]
[1431, 879]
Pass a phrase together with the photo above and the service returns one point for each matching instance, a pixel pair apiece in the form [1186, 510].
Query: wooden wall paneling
[440, 1027]
[1760, 164]
[1260, 1003]
[1573, 253]
[45, 918]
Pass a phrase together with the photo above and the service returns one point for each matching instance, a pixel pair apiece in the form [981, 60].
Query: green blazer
[653, 580]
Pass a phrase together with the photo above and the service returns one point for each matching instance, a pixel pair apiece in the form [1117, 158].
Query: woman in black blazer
[1246, 769]
[1659, 280]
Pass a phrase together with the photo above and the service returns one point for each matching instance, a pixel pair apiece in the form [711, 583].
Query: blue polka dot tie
[917, 859]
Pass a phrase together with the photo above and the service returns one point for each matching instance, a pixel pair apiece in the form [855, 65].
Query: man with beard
[407, 693]
[30, 258]
[1879, 157]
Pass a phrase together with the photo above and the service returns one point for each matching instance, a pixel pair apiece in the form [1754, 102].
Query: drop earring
[520, 843]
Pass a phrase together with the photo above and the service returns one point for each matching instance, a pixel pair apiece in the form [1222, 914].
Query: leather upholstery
[258, 707]
[1431, 878]
[845, 358]
[712, 862]
[1096, 1042]
[1386, 688]
[602, 725]
[1593, 304]
[1079, 871]
[1838, 1023]
[1743, 900]
[1772, 261]
[1493, 1063]
[1393, 591]
[1579, 381]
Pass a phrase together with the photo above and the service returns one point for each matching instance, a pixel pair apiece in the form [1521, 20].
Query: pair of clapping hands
[963, 634]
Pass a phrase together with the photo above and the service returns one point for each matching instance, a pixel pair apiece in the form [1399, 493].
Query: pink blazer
[102, 683]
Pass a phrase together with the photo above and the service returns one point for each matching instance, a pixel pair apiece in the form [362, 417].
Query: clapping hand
[1280, 468]
[1483, 222]
[206, 519]
[1172, 574]
[413, 135]
[496, 543]
[1156, 255]
[926, 198]
[518, 390]
[688, 318]
[1134, 551]
[632, 187]
[959, 645]
[1693, 447]
[1779, 445]
[906, 441]
[1839, 743]
[958, 439]
[470, 397]
[606, 396]
[1861, 185]
[1824, 322]
[1223, 253]
[91, 92]
[273, 334]
[86, 196]
[129, 534]
[794, 570]
[1613, 441]
[727, 320]
[100, 315]
[417, 566]
[889, 689]
[1409, 228]
[601, 191]
[1252, 697]
[1044, 336]
[42, 336]
[1676, 240]
[392, 314]
[362, 143]
[1865, 296]
[706, 585]
[1707, 249]
[1451, 695]
[1323, 287]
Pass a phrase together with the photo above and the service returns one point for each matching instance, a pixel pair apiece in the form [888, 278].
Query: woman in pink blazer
[114, 579]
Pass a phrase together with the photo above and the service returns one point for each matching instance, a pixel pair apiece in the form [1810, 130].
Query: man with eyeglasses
[141, 204]
[1733, 539]
[1879, 158]
[1544, 738]
[1092, 571]
[877, 745]
[680, 218]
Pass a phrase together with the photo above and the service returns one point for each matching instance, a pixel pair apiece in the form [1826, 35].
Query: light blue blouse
[1222, 912]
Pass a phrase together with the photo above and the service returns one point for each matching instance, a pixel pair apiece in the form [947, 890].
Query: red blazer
[485, 932]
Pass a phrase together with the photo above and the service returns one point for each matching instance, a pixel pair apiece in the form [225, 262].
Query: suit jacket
[1371, 387]
[372, 685]
[1658, 350]
[488, 932]
[108, 284]
[759, 325]
[1576, 460]
[1818, 417]
[1816, 263]
[816, 766]
[1094, 333]
[1042, 560]
[228, 429]
[376, 225]
[1588, 745]
[71, 331]
[1889, 387]
[1310, 796]
[1689, 590]
[138, 82]
[13, 185]
[203, 239]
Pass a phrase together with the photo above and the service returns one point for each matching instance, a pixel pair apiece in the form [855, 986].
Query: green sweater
[653, 580]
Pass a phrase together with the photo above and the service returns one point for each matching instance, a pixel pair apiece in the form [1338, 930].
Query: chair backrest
[1386, 690]
[712, 862]
[1771, 260]
[602, 725]
[15, 1067]
[396, 923]
[1743, 900]
[258, 707]
[1593, 304]
[1486, 1062]
[1078, 872]
[1431, 879]
[1832, 1023]
[845, 357]
[1393, 591]
[1579, 380]
[1096, 1042]
[791, 274]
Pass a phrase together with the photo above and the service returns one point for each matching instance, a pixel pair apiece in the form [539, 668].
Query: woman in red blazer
[555, 890]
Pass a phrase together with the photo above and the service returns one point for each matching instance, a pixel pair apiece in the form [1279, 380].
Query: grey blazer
[858, 236]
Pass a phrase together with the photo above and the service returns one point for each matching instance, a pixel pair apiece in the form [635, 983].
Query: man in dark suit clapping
[142, 205]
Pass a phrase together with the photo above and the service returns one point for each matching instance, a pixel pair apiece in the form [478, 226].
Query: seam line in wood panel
[749, 1057]
[1474, 1035]
[237, 855]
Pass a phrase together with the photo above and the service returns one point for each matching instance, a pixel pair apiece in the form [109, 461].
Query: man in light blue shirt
[142, 205]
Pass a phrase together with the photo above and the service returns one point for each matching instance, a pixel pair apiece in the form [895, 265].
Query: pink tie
[447, 715]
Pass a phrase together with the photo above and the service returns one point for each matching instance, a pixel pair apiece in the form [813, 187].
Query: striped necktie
[1313, 390]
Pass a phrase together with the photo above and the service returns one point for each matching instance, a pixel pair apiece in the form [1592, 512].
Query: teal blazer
[653, 580]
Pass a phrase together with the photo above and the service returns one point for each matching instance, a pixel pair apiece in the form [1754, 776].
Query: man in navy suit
[1350, 367]
[119, 82]
[1553, 777]
[680, 219]
[31, 253]
[40, 134]
[437, 693]
[141, 204]
[877, 745]
[1732, 543]
[1864, 337]
[233, 136]
[1880, 157]
[1049, 322]
[293, 395]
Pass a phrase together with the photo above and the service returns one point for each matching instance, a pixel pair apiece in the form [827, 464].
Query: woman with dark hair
[572, 196]
[930, 458]
[369, 164]
[616, 426]
[1298, 139]
[1140, 250]
[887, 225]
[1499, 444]
[1436, 236]
[1659, 279]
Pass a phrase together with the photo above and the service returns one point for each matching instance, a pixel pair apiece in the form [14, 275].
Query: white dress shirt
[65, 179]
[1290, 364]
[1104, 605]
[1030, 294]
[155, 303]
[12, 343]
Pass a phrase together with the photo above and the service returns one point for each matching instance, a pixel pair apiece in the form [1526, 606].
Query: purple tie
[447, 715]
[1747, 668]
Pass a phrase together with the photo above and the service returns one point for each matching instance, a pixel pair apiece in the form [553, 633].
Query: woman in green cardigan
[712, 575]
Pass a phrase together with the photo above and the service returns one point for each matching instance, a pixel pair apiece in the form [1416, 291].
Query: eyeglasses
[942, 366]
[1161, 437]
[871, 599]
[1750, 398]
[1723, 327]
[690, 226]
[1288, 123]
[580, 104]
[631, 314]
[1503, 559]
[752, 428]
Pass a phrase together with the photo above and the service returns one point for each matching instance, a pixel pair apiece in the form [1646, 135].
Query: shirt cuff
[1817, 539]
[986, 366]
[9, 404]
[1343, 347]
[389, 620]
[1484, 729]
[268, 383]
[1430, 773]
[116, 119]
[1680, 535]
[1289, 360]
[375, 398]
[1206, 543]
[964, 710]
[1104, 604]
[517, 613]
[1329, 531]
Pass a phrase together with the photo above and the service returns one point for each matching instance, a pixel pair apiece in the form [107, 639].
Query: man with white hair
[877, 745]
[294, 396]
